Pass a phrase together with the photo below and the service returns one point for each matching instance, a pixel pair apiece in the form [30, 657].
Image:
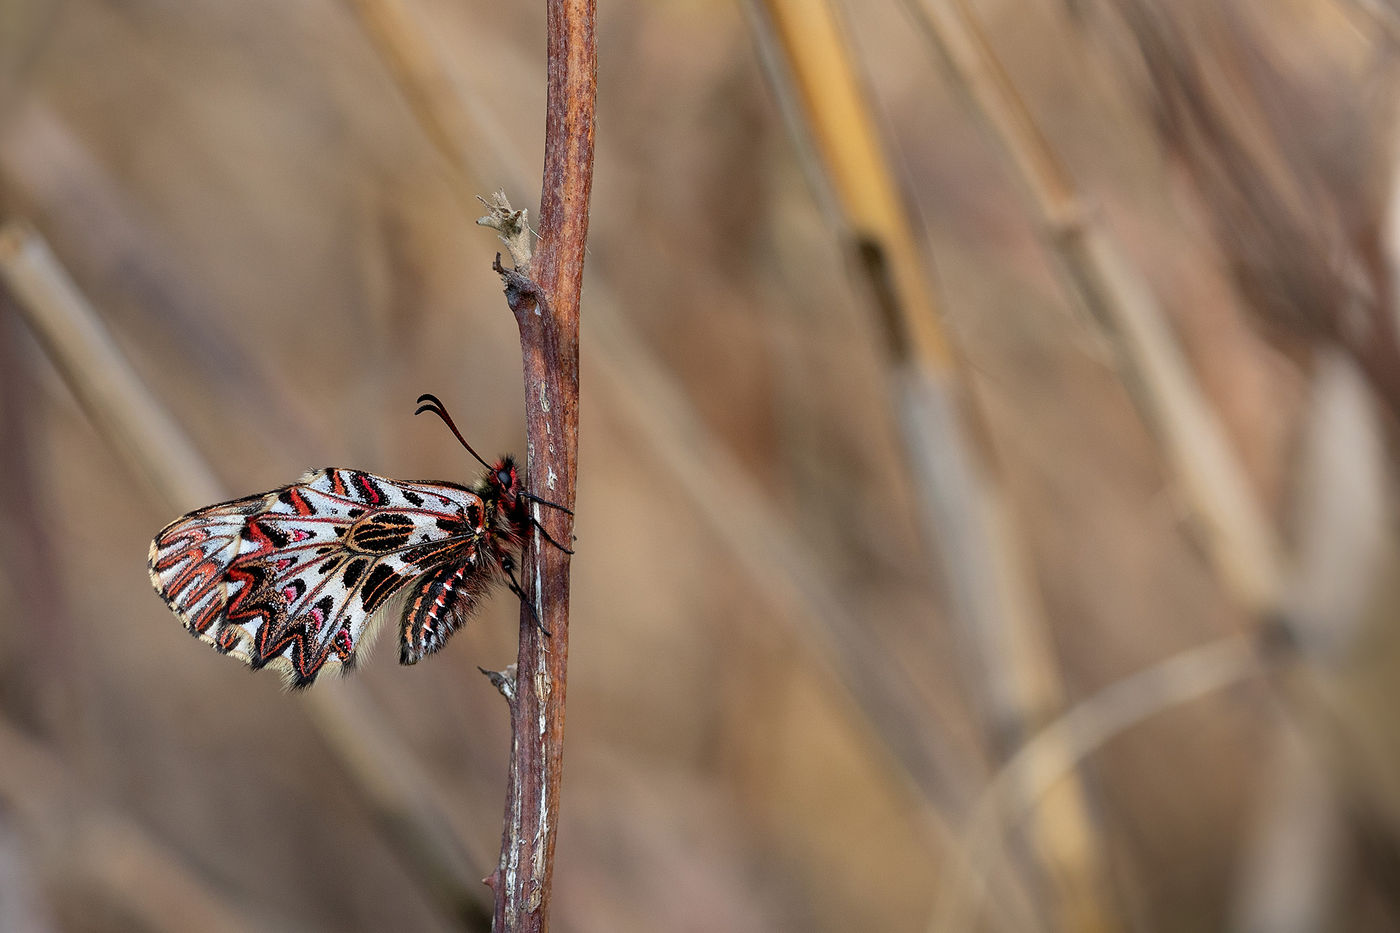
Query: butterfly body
[296, 578]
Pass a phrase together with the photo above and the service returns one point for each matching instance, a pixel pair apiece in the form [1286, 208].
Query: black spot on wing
[453, 526]
[380, 534]
[353, 571]
[278, 538]
[379, 586]
[413, 497]
[371, 489]
[435, 553]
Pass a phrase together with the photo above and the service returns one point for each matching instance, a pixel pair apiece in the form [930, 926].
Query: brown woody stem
[545, 300]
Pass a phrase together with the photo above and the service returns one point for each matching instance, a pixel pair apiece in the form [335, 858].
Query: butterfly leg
[536, 522]
[553, 505]
[508, 566]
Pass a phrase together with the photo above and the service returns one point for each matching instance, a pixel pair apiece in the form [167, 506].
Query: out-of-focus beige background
[1149, 685]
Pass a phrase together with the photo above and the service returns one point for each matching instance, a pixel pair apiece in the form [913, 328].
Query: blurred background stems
[102, 380]
[1292, 269]
[101, 853]
[1313, 263]
[1234, 531]
[969, 520]
[137, 426]
[211, 173]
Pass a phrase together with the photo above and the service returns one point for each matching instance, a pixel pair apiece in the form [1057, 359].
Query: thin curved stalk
[544, 295]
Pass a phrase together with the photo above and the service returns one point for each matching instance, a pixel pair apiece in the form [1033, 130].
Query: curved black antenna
[436, 407]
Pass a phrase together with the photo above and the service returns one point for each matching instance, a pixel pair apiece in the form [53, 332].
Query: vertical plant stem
[546, 306]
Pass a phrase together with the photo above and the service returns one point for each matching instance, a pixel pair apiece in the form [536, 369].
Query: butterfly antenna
[431, 403]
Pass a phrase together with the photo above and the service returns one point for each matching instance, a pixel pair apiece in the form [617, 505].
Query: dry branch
[545, 299]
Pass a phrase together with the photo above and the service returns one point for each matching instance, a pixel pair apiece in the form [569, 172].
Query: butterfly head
[501, 484]
[503, 480]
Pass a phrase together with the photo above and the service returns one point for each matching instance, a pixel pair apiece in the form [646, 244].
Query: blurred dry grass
[774, 712]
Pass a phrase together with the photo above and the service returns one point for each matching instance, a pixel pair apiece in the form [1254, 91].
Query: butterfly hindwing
[438, 604]
[294, 577]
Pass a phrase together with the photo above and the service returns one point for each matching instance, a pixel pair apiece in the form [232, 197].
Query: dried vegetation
[985, 505]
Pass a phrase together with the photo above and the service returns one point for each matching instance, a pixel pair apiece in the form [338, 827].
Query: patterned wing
[440, 603]
[293, 578]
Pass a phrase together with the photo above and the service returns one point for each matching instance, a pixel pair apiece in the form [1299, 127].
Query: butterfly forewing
[294, 577]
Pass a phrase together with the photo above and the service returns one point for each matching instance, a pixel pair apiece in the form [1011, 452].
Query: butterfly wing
[295, 577]
[440, 602]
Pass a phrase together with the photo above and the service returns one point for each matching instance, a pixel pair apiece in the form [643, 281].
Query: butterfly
[296, 578]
